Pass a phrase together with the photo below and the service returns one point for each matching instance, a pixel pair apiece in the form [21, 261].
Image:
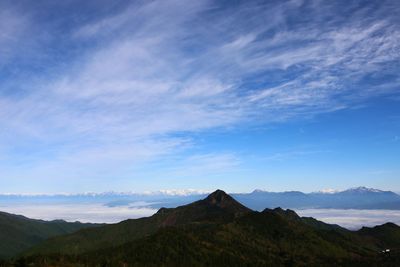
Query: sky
[166, 94]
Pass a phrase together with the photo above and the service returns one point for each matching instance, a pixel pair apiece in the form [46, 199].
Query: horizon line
[184, 192]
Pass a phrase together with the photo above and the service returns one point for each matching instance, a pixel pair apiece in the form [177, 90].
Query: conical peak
[218, 196]
[221, 199]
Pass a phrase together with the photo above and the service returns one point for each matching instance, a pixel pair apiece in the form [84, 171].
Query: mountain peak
[258, 191]
[217, 196]
[288, 213]
[216, 206]
[363, 189]
[222, 200]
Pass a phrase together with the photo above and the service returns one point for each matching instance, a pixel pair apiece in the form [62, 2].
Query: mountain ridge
[218, 231]
[217, 207]
[18, 233]
[353, 198]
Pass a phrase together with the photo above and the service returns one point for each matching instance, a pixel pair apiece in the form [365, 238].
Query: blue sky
[148, 95]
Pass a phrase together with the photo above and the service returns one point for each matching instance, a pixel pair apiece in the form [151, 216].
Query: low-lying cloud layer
[353, 219]
[101, 213]
[88, 212]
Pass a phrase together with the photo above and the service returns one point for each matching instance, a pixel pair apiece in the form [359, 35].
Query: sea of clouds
[103, 213]
[86, 212]
[351, 218]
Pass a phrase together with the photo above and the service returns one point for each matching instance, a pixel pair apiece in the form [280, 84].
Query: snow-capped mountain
[353, 198]
[327, 191]
[363, 189]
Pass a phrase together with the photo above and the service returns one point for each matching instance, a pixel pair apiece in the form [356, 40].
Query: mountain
[387, 234]
[259, 200]
[360, 198]
[363, 190]
[219, 231]
[218, 206]
[18, 233]
[354, 198]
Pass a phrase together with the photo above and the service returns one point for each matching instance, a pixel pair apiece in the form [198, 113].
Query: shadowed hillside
[18, 233]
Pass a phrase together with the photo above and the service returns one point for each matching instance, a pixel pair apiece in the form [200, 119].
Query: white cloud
[293, 154]
[94, 213]
[178, 192]
[353, 219]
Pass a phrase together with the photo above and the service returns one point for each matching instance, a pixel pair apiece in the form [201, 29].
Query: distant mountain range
[354, 198]
[219, 231]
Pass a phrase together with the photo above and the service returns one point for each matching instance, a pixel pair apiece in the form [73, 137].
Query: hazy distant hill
[219, 231]
[355, 198]
[18, 233]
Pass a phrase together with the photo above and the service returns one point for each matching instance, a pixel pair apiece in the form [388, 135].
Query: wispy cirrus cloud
[293, 154]
[12, 27]
[147, 71]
